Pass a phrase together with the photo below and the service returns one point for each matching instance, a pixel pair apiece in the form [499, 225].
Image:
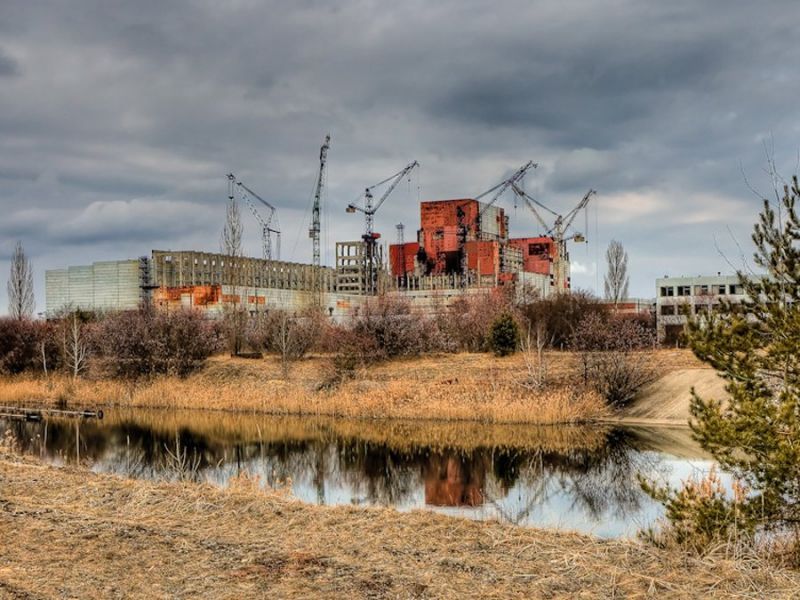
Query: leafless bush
[146, 342]
[27, 345]
[178, 465]
[612, 357]
[466, 324]
[561, 314]
[289, 336]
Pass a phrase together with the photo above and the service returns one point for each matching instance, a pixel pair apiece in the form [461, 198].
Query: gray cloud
[119, 120]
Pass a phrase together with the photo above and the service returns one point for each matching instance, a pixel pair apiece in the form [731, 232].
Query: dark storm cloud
[119, 120]
[8, 66]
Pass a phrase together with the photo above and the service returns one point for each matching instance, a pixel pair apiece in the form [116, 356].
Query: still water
[575, 478]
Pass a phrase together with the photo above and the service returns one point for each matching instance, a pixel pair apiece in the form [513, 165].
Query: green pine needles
[755, 435]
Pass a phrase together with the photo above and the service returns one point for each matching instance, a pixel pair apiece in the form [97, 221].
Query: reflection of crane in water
[539, 494]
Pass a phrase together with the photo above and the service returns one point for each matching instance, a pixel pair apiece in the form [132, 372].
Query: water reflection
[576, 478]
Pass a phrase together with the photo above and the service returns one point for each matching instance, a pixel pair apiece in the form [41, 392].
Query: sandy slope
[667, 399]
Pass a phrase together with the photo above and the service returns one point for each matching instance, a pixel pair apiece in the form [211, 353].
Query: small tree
[289, 336]
[611, 355]
[20, 285]
[755, 435]
[234, 313]
[616, 280]
[533, 346]
[504, 335]
[76, 348]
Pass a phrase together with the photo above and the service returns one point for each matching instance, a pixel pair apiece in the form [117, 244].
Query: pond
[575, 478]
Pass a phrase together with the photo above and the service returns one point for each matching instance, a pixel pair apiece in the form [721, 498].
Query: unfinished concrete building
[102, 286]
[679, 298]
[360, 268]
[467, 242]
[200, 280]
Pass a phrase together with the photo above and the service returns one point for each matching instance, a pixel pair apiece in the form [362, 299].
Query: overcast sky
[120, 119]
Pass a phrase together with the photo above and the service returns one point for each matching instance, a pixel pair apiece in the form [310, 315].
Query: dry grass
[474, 387]
[78, 534]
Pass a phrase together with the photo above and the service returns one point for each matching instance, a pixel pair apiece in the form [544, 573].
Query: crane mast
[269, 225]
[558, 232]
[369, 209]
[315, 228]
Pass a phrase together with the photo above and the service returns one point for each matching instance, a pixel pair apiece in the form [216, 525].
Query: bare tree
[76, 349]
[533, 346]
[231, 239]
[20, 285]
[616, 282]
[234, 314]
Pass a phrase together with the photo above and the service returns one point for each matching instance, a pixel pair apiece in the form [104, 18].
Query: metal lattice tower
[315, 228]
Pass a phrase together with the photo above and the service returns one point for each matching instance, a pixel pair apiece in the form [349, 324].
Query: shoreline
[443, 388]
[77, 533]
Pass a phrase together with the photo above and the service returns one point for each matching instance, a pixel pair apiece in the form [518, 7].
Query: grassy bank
[78, 534]
[475, 387]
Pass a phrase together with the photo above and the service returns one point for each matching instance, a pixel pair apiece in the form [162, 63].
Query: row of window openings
[669, 310]
[701, 290]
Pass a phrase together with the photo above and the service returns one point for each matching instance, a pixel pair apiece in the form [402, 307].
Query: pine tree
[755, 435]
[504, 335]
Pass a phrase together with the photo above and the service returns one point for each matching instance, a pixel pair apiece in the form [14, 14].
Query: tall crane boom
[371, 256]
[315, 228]
[500, 188]
[269, 224]
[369, 209]
[558, 231]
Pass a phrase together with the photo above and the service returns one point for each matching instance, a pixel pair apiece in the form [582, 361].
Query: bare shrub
[289, 336]
[145, 342]
[386, 328]
[27, 345]
[466, 325]
[561, 314]
[612, 357]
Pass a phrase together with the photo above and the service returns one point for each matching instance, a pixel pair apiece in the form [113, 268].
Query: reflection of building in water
[451, 480]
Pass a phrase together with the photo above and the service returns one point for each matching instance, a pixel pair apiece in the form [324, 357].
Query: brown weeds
[78, 534]
[448, 387]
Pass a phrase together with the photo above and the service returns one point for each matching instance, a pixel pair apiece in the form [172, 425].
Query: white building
[101, 286]
[677, 297]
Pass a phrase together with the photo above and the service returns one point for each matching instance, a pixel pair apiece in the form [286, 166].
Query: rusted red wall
[402, 257]
[202, 295]
[538, 253]
[483, 257]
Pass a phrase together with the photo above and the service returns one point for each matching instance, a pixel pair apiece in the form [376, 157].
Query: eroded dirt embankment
[667, 400]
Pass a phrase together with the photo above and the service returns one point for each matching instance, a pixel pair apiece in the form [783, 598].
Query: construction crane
[314, 230]
[496, 191]
[269, 224]
[369, 209]
[558, 231]
[499, 189]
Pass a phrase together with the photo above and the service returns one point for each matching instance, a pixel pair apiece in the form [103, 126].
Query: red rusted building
[460, 233]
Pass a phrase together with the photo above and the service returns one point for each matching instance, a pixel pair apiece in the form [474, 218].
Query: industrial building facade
[468, 240]
[101, 286]
[462, 247]
[679, 298]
